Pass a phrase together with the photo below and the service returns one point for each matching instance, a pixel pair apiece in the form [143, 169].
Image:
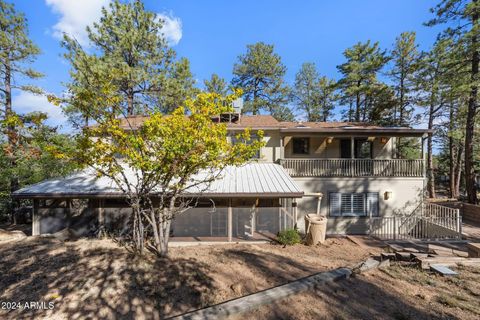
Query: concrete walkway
[471, 231]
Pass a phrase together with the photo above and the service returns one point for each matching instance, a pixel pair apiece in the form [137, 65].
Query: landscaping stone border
[252, 301]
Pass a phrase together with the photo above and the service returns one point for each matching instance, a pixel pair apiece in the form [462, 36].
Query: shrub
[289, 237]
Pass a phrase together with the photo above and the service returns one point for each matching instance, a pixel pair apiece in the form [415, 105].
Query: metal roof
[260, 180]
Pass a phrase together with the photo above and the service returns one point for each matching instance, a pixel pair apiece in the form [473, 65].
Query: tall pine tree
[17, 52]
[359, 85]
[463, 17]
[260, 74]
[314, 95]
[130, 38]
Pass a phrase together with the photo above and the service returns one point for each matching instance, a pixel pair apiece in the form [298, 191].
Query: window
[362, 148]
[353, 204]
[253, 137]
[301, 145]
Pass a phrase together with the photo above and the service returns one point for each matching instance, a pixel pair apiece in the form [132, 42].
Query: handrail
[315, 167]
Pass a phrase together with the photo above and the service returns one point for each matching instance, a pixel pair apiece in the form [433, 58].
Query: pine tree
[216, 85]
[430, 81]
[314, 95]
[359, 78]
[17, 51]
[129, 38]
[404, 58]
[260, 74]
[463, 17]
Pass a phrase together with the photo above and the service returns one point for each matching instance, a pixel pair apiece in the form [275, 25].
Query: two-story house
[347, 171]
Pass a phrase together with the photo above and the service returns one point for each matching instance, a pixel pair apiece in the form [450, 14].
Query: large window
[362, 148]
[353, 204]
[301, 145]
[253, 137]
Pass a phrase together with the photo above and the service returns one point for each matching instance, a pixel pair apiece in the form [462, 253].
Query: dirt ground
[398, 292]
[99, 279]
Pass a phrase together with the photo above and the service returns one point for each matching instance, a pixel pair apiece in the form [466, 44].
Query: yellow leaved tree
[165, 163]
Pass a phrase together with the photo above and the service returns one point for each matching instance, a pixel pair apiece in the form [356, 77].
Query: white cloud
[75, 16]
[26, 102]
[172, 28]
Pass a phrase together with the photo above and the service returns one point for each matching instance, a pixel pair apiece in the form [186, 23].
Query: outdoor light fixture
[387, 195]
[370, 139]
[383, 140]
[329, 140]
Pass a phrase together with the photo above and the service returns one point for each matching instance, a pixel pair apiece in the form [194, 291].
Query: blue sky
[213, 33]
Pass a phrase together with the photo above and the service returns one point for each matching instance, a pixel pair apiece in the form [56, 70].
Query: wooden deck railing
[354, 167]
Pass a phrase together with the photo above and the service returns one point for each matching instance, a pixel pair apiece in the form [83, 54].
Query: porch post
[352, 148]
[282, 148]
[229, 219]
[254, 215]
[352, 155]
[295, 214]
[101, 217]
[424, 160]
[35, 218]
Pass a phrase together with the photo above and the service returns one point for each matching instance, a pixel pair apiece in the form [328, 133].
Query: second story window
[253, 136]
[301, 145]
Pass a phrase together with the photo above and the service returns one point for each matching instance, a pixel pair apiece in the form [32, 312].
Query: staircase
[428, 222]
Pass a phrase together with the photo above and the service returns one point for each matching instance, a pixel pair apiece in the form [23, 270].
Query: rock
[368, 265]
[384, 264]
[237, 288]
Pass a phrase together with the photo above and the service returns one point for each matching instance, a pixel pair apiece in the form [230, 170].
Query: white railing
[354, 167]
[430, 222]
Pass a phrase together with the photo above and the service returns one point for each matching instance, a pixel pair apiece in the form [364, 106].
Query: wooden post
[68, 209]
[254, 215]
[295, 214]
[230, 218]
[459, 224]
[36, 218]
[352, 155]
[282, 148]
[101, 216]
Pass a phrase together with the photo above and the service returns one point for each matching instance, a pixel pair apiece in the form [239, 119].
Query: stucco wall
[406, 196]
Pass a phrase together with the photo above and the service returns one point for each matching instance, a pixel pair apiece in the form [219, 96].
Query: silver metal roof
[249, 180]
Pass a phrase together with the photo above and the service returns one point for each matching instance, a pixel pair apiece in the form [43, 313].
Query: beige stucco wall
[406, 196]
[271, 152]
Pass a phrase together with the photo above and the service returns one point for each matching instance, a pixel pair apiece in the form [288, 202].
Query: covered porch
[351, 152]
[247, 203]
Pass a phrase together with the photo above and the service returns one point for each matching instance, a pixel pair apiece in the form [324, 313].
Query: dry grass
[399, 292]
[99, 280]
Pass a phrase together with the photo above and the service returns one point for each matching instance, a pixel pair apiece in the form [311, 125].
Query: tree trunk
[458, 171]
[470, 182]
[452, 155]
[430, 173]
[11, 138]
[357, 110]
[130, 107]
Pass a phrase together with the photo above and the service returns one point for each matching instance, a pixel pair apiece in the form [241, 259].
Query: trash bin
[316, 230]
[308, 217]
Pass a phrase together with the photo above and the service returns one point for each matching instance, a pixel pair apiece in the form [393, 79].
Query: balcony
[354, 167]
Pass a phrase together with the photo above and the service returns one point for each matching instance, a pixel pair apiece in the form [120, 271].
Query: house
[347, 171]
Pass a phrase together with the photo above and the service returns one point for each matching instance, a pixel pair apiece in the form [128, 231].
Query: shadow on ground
[100, 283]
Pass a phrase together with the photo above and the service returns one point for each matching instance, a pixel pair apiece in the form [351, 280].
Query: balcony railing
[354, 167]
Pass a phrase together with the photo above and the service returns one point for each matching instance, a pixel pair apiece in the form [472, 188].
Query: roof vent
[301, 125]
